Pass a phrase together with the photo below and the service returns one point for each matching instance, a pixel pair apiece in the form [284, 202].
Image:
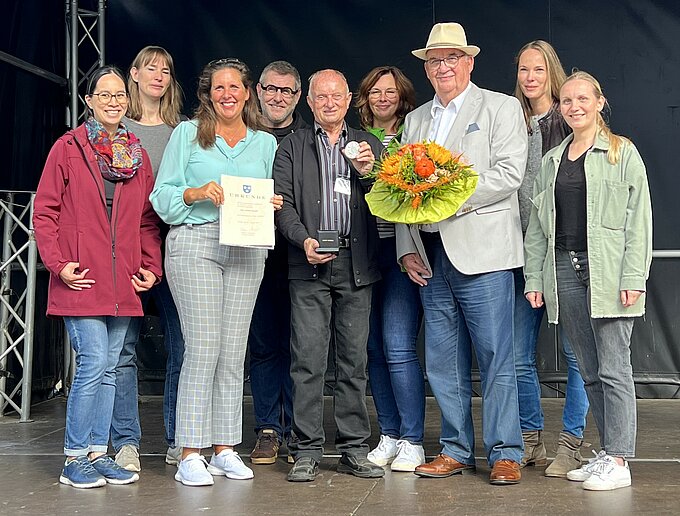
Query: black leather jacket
[553, 128]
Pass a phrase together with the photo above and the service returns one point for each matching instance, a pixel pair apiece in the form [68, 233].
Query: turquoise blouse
[186, 165]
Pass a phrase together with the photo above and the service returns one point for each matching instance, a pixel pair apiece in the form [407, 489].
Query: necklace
[233, 137]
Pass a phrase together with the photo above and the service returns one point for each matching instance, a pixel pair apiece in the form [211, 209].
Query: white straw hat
[447, 35]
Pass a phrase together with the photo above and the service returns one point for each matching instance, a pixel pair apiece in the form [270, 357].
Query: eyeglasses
[450, 61]
[286, 92]
[105, 97]
[390, 93]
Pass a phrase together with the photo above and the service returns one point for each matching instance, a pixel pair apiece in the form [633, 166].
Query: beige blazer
[485, 234]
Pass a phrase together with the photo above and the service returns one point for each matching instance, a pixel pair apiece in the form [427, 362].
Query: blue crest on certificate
[247, 215]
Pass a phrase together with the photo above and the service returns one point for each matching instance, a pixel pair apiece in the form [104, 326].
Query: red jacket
[72, 225]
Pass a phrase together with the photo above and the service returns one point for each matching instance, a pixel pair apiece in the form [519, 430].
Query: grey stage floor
[30, 462]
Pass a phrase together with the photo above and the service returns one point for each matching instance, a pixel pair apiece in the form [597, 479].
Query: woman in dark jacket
[98, 236]
[539, 77]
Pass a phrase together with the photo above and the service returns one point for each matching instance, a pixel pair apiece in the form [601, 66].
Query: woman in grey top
[153, 113]
[539, 78]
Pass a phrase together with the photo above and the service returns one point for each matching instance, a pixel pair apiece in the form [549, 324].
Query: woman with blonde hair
[539, 77]
[588, 251]
[152, 114]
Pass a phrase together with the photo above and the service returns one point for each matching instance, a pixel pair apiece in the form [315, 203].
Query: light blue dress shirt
[186, 165]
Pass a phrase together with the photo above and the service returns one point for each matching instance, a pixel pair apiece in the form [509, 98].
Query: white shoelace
[384, 444]
[604, 466]
[195, 463]
[405, 448]
[592, 463]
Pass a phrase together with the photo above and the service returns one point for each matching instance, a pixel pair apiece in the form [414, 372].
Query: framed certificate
[247, 215]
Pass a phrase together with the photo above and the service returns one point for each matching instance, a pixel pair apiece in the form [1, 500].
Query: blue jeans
[125, 428]
[269, 342]
[602, 348]
[461, 311]
[527, 325]
[97, 342]
[396, 378]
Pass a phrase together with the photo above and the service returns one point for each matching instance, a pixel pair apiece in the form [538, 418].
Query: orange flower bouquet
[420, 183]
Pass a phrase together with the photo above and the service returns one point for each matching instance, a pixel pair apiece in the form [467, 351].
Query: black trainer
[359, 467]
[305, 469]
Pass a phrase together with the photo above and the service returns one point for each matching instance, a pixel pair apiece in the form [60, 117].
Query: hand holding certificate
[247, 215]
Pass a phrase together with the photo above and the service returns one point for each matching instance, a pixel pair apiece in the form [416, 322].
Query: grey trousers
[214, 287]
[312, 302]
[602, 349]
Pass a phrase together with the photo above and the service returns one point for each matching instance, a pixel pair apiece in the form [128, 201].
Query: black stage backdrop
[629, 45]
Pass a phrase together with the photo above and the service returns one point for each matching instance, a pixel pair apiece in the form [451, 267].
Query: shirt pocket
[614, 204]
[543, 210]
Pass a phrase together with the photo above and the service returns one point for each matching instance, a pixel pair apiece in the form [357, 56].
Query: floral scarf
[118, 156]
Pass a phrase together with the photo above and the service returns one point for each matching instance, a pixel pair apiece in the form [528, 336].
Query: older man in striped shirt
[323, 188]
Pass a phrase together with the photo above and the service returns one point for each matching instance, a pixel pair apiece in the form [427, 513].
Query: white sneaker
[192, 471]
[128, 458]
[409, 456]
[583, 473]
[608, 475]
[173, 456]
[228, 463]
[385, 452]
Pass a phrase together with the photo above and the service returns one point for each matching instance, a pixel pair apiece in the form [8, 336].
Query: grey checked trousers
[214, 287]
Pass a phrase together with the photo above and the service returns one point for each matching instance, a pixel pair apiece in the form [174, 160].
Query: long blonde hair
[555, 73]
[615, 140]
[171, 101]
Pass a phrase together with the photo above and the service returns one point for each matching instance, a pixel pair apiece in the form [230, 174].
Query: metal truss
[17, 305]
[85, 31]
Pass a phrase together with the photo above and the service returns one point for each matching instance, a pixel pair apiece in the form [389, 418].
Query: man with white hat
[464, 263]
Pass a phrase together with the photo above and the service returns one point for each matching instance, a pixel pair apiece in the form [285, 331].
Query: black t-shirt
[570, 204]
[109, 190]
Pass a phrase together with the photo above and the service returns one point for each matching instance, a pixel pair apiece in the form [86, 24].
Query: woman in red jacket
[98, 236]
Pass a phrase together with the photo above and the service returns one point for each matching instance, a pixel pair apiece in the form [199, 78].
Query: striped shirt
[335, 209]
[385, 229]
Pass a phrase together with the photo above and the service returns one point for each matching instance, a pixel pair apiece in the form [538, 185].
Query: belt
[343, 242]
[430, 236]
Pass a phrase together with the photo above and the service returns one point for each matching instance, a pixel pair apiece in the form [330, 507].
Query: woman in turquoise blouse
[214, 286]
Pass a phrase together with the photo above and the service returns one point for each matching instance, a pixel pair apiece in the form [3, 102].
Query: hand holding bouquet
[420, 183]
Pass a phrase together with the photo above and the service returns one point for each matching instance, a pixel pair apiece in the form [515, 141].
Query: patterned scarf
[118, 156]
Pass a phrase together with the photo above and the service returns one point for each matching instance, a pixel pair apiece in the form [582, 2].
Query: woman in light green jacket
[588, 251]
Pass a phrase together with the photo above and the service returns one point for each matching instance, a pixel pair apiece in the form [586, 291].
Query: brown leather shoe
[442, 466]
[505, 472]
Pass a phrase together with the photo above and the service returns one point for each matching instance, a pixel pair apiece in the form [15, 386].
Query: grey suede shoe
[568, 456]
[534, 449]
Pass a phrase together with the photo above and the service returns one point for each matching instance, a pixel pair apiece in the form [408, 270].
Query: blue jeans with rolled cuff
[97, 342]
